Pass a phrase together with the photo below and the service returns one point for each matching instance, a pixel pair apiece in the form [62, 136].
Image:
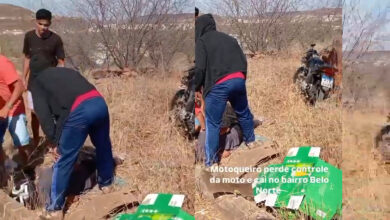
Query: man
[12, 110]
[41, 40]
[69, 109]
[220, 69]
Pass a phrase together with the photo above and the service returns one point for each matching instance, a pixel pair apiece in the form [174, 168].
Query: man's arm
[60, 53]
[18, 89]
[26, 64]
[26, 69]
[200, 65]
[43, 111]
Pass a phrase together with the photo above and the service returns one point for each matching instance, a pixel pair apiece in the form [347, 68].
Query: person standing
[43, 41]
[12, 110]
[220, 70]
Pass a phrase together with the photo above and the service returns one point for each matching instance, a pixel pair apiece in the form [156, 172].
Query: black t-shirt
[50, 46]
[54, 91]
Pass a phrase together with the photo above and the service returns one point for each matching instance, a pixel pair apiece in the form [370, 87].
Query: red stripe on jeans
[231, 76]
[88, 95]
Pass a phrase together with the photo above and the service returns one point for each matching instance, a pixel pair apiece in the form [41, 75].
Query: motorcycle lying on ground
[182, 105]
[383, 141]
[315, 78]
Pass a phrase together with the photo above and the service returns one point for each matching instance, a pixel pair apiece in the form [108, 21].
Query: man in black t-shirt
[41, 41]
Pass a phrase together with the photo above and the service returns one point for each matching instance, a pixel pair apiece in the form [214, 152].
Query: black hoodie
[54, 90]
[216, 54]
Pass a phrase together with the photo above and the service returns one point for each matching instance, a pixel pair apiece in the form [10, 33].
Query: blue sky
[60, 7]
[379, 12]
[375, 7]
[63, 7]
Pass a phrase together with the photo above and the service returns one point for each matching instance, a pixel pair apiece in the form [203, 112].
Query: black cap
[43, 14]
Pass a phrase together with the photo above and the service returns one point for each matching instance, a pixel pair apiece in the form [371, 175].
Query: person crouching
[69, 109]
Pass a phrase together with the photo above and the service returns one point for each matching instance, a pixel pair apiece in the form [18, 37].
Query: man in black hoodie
[220, 69]
[69, 109]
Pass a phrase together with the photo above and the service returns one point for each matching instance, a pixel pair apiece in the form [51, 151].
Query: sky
[377, 8]
[65, 7]
[60, 7]
[378, 12]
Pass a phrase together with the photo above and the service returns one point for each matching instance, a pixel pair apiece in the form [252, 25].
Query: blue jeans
[234, 91]
[89, 118]
[17, 126]
[3, 128]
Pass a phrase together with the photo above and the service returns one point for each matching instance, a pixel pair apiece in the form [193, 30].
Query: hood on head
[204, 24]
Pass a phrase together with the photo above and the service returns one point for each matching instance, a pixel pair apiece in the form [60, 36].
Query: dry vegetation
[157, 157]
[272, 94]
[365, 175]
[270, 87]
[366, 184]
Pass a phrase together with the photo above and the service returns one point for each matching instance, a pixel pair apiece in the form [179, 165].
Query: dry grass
[366, 184]
[272, 94]
[157, 158]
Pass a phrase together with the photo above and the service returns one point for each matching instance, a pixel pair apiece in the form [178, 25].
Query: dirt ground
[272, 95]
[366, 179]
[157, 159]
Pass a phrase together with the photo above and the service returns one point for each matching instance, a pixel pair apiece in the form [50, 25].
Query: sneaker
[254, 144]
[107, 189]
[208, 169]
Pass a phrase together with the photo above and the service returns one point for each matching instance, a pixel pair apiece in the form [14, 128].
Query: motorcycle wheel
[299, 74]
[321, 95]
[174, 101]
[182, 120]
[312, 94]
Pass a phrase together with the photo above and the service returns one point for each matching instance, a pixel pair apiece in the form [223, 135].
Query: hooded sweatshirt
[216, 54]
[54, 90]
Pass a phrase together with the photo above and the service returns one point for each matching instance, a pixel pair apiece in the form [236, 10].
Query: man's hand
[53, 150]
[4, 112]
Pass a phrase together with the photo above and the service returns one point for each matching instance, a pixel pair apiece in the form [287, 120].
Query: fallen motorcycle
[315, 77]
[383, 141]
[182, 106]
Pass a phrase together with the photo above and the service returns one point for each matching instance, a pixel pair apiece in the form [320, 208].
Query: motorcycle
[383, 141]
[315, 78]
[182, 105]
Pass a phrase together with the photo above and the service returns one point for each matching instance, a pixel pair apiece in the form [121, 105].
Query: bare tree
[276, 25]
[80, 45]
[172, 38]
[128, 28]
[258, 22]
[359, 27]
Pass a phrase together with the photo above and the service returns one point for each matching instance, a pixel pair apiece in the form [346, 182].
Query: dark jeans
[89, 118]
[234, 91]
